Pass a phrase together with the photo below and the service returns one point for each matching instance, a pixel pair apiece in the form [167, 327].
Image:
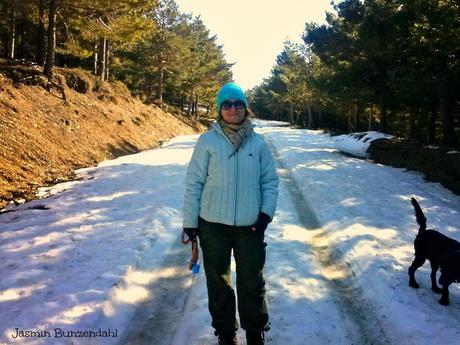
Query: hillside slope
[44, 138]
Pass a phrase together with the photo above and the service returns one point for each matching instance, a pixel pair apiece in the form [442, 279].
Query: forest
[162, 55]
[387, 65]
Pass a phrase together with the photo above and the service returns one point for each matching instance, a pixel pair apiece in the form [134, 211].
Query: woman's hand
[261, 224]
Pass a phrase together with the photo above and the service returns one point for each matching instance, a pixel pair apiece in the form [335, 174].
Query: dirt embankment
[44, 138]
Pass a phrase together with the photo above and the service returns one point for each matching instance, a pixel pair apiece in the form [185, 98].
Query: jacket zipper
[237, 169]
[236, 188]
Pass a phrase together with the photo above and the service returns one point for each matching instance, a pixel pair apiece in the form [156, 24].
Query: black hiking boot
[255, 338]
[227, 339]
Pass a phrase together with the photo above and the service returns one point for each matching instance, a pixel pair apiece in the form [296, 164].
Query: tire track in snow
[155, 320]
[360, 319]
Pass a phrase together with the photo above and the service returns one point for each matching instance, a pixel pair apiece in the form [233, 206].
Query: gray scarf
[237, 133]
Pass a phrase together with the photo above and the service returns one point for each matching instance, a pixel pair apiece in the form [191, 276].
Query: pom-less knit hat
[230, 91]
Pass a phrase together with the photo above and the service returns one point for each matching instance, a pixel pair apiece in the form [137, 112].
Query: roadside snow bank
[356, 144]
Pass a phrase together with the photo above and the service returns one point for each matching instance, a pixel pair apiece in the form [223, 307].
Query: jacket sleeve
[268, 182]
[194, 182]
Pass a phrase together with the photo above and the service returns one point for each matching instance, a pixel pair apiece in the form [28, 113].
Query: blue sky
[252, 32]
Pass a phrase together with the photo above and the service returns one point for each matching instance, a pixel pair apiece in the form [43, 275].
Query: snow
[97, 250]
[356, 144]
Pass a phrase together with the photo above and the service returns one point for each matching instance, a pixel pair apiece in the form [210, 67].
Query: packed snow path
[301, 288]
[102, 252]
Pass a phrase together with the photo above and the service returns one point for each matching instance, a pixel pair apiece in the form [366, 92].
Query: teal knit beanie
[230, 91]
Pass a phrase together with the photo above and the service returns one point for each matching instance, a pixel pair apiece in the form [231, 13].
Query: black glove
[191, 233]
[261, 224]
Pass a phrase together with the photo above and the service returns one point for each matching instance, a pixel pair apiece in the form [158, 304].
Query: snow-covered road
[101, 254]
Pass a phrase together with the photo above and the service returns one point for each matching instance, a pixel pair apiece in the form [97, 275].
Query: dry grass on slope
[43, 138]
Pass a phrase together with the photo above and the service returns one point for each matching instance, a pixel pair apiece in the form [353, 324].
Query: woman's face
[233, 111]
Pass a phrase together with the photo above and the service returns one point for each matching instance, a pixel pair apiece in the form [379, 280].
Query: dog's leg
[445, 294]
[418, 261]
[434, 269]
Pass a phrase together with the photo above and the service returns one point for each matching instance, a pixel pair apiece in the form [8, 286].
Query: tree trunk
[421, 126]
[320, 118]
[291, 113]
[432, 124]
[349, 123]
[181, 102]
[148, 90]
[448, 128]
[383, 113]
[40, 46]
[51, 46]
[297, 116]
[310, 117]
[107, 60]
[370, 118]
[196, 105]
[101, 58]
[190, 103]
[354, 119]
[21, 50]
[12, 31]
[193, 105]
[412, 118]
[159, 95]
[356, 126]
[95, 61]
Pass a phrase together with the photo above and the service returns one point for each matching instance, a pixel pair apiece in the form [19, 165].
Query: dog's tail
[421, 220]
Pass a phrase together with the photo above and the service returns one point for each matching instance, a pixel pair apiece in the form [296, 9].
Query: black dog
[450, 273]
[431, 245]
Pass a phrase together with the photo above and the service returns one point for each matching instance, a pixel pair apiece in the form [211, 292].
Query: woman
[230, 198]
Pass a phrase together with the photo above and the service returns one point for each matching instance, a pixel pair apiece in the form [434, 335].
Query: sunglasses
[227, 105]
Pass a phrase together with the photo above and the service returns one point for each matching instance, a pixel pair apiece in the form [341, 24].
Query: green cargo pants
[217, 242]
